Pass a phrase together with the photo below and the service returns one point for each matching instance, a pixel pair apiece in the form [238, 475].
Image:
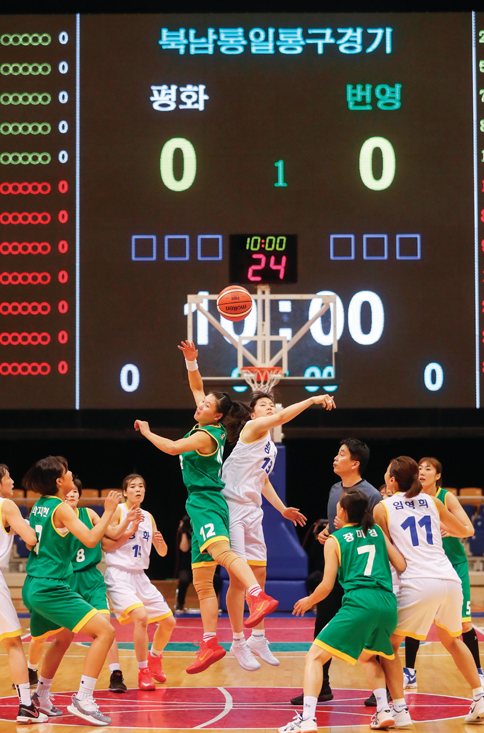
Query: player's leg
[313, 678]
[376, 681]
[139, 617]
[17, 664]
[161, 638]
[409, 671]
[50, 664]
[469, 635]
[465, 664]
[36, 649]
[116, 680]
[210, 651]
[257, 642]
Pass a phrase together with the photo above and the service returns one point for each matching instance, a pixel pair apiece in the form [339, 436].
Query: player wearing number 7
[358, 553]
[430, 588]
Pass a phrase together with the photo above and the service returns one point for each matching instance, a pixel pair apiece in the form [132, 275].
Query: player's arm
[452, 523]
[381, 518]
[396, 558]
[454, 506]
[194, 377]
[67, 517]
[114, 532]
[200, 441]
[12, 518]
[331, 564]
[259, 427]
[160, 545]
[288, 512]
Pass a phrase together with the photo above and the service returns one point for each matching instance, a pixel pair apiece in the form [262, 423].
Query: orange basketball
[234, 303]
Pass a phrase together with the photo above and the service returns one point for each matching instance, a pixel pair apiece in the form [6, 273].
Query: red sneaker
[260, 606]
[145, 681]
[154, 665]
[210, 652]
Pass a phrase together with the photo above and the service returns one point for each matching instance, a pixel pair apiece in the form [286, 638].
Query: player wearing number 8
[430, 588]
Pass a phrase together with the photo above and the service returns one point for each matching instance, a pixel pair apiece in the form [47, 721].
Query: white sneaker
[260, 647]
[481, 676]
[409, 679]
[382, 719]
[88, 710]
[298, 724]
[244, 656]
[402, 718]
[476, 713]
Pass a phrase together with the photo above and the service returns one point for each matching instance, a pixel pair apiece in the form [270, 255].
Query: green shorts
[462, 570]
[209, 516]
[53, 606]
[90, 585]
[365, 622]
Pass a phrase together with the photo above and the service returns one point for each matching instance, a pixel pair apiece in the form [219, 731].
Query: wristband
[192, 366]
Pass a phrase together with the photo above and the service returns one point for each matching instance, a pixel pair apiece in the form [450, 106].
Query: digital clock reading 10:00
[263, 258]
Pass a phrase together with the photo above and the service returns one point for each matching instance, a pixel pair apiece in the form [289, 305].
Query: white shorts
[421, 601]
[9, 623]
[127, 591]
[246, 535]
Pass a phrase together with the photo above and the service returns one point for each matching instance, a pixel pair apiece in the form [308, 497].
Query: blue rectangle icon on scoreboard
[375, 246]
[143, 247]
[210, 242]
[342, 247]
[170, 244]
[409, 247]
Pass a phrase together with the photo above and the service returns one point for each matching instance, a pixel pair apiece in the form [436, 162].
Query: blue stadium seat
[479, 523]
[98, 508]
[20, 545]
[476, 543]
[469, 510]
[481, 510]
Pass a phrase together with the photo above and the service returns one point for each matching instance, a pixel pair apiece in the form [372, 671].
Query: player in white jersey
[430, 588]
[246, 477]
[133, 597]
[11, 521]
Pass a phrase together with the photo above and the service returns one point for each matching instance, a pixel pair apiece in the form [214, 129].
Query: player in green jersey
[358, 554]
[430, 476]
[200, 454]
[55, 608]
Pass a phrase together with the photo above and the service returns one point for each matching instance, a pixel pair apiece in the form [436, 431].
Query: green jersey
[51, 556]
[453, 547]
[203, 472]
[363, 560]
[84, 557]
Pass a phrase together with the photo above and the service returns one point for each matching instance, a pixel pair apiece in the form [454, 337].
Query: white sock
[33, 667]
[86, 687]
[258, 633]
[381, 698]
[254, 590]
[114, 667]
[239, 638]
[142, 665]
[477, 693]
[209, 635]
[23, 692]
[43, 688]
[309, 709]
[399, 705]
[154, 652]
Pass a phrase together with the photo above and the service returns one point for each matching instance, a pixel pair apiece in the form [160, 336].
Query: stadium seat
[481, 510]
[471, 495]
[469, 510]
[90, 493]
[105, 492]
[479, 523]
[98, 508]
[20, 546]
[453, 491]
[18, 494]
[476, 544]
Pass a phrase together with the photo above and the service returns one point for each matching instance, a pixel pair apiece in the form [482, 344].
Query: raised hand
[294, 516]
[134, 515]
[325, 400]
[190, 352]
[323, 536]
[112, 501]
[142, 425]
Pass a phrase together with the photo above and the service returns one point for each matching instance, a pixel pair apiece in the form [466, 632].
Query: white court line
[229, 701]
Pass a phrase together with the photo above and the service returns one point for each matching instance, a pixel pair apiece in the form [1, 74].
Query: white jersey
[246, 469]
[6, 540]
[414, 526]
[134, 555]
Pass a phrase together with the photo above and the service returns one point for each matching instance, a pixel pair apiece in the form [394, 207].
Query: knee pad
[203, 582]
[222, 554]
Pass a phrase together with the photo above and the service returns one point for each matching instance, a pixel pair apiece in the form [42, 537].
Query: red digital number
[63, 307]
[63, 216]
[63, 246]
[280, 267]
[62, 336]
[63, 186]
[62, 367]
[63, 276]
[251, 276]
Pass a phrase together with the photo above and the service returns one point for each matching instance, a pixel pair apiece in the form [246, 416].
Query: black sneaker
[30, 714]
[116, 682]
[325, 695]
[33, 677]
[371, 701]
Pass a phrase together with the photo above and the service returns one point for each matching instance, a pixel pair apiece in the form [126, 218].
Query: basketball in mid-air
[234, 303]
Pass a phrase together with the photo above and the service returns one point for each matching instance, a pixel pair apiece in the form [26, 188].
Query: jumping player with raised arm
[430, 589]
[245, 474]
[54, 607]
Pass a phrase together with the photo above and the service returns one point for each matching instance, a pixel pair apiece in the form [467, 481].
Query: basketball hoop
[261, 378]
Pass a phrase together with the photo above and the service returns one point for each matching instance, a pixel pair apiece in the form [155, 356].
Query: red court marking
[240, 708]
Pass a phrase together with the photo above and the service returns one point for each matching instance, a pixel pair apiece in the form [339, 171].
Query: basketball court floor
[226, 698]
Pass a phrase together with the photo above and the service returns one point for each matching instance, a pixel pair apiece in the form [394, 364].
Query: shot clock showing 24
[320, 153]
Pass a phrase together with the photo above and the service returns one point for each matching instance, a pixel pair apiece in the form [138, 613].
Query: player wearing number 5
[430, 588]
[133, 597]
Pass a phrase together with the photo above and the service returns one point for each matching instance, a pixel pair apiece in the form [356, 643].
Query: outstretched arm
[258, 427]
[200, 441]
[12, 518]
[453, 525]
[288, 512]
[194, 377]
[66, 515]
[454, 506]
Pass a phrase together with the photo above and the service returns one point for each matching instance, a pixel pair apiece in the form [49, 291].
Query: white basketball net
[262, 379]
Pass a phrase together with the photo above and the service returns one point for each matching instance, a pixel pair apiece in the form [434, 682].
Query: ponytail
[356, 505]
[405, 472]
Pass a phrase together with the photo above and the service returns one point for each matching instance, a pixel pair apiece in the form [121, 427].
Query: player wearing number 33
[430, 588]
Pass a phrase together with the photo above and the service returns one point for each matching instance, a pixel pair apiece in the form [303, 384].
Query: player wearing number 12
[359, 554]
[430, 588]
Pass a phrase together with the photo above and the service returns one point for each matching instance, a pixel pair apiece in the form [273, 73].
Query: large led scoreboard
[146, 157]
